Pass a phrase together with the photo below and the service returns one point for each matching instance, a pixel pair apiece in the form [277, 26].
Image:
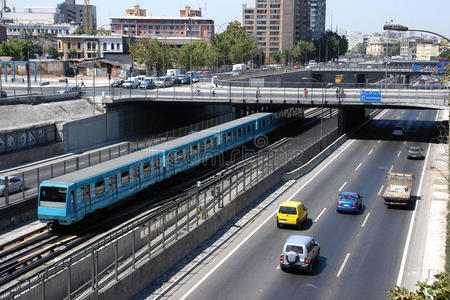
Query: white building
[41, 15]
[111, 44]
[354, 39]
[18, 30]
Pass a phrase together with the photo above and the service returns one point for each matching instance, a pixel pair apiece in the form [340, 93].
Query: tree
[303, 51]
[202, 55]
[330, 46]
[445, 54]
[439, 289]
[276, 56]
[72, 53]
[153, 54]
[79, 30]
[395, 49]
[51, 52]
[234, 45]
[19, 49]
[360, 48]
[286, 54]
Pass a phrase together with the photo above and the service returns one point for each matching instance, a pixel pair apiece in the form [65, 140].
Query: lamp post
[398, 27]
[321, 112]
[190, 55]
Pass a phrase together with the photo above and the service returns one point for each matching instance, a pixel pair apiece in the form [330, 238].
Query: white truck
[173, 72]
[238, 69]
[398, 189]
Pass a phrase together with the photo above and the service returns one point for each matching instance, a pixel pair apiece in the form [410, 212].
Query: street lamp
[190, 56]
[398, 27]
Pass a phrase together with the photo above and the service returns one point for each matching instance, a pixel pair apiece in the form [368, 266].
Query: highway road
[361, 254]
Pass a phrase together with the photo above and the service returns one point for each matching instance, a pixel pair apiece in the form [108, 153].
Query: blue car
[349, 202]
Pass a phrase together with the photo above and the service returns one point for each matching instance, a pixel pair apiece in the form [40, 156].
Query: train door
[112, 183]
[80, 205]
[137, 177]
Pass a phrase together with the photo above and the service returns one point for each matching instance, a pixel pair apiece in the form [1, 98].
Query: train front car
[54, 203]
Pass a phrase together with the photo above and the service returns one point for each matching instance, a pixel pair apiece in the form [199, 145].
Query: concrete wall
[22, 138]
[9, 160]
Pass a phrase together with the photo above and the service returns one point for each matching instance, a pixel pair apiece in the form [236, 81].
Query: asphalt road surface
[360, 254]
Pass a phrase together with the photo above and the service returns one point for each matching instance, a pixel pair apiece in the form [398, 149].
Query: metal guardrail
[34, 177]
[115, 253]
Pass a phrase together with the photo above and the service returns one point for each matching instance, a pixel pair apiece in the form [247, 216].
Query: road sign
[441, 66]
[416, 68]
[370, 96]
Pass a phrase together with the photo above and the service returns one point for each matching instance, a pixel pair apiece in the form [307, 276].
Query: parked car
[130, 84]
[72, 89]
[163, 81]
[185, 79]
[300, 252]
[15, 184]
[291, 213]
[195, 76]
[349, 202]
[415, 152]
[147, 84]
[399, 131]
[3, 94]
[175, 80]
[117, 83]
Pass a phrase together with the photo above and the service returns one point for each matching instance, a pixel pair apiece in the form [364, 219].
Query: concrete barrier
[31, 154]
[37, 99]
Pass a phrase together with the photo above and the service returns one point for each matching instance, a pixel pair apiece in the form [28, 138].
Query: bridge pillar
[350, 117]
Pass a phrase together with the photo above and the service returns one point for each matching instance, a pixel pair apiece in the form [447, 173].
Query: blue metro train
[67, 199]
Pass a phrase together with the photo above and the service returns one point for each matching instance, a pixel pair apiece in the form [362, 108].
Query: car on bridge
[117, 83]
[3, 94]
[349, 202]
[299, 253]
[72, 89]
[291, 213]
[15, 184]
[398, 131]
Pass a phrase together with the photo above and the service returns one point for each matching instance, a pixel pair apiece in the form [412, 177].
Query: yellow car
[291, 213]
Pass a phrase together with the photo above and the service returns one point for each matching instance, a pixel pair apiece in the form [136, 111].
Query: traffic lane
[335, 224]
[378, 256]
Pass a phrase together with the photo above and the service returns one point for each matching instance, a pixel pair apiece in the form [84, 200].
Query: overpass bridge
[250, 96]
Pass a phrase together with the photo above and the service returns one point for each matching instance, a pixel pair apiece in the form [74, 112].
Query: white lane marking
[343, 265]
[340, 189]
[399, 152]
[398, 117]
[379, 141]
[370, 152]
[278, 267]
[359, 166]
[365, 220]
[323, 210]
[404, 142]
[379, 192]
[391, 168]
[267, 219]
[413, 217]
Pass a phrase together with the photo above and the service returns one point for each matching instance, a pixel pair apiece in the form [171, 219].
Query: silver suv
[299, 252]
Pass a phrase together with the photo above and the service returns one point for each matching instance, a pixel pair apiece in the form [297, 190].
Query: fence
[110, 257]
[34, 177]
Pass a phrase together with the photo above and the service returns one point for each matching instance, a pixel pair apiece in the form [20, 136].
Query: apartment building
[380, 47]
[74, 13]
[78, 46]
[279, 24]
[183, 26]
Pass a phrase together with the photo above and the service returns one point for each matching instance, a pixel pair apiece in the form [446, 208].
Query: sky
[366, 16]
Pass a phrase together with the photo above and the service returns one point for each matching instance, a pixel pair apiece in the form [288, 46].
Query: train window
[194, 149]
[82, 193]
[171, 158]
[264, 123]
[188, 152]
[249, 128]
[125, 177]
[88, 191]
[156, 164]
[180, 155]
[224, 138]
[100, 187]
[208, 144]
[147, 168]
[110, 182]
[214, 142]
[229, 136]
[202, 147]
[239, 132]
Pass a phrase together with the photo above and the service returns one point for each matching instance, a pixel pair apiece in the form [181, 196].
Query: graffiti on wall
[26, 138]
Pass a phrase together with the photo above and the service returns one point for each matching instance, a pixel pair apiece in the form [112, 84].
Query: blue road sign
[441, 66]
[416, 68]
[370, 96]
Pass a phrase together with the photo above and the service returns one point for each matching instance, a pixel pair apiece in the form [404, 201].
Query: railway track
[35, 248]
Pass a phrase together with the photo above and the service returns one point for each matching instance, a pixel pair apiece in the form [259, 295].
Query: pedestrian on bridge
[258, 94]
[305, 92]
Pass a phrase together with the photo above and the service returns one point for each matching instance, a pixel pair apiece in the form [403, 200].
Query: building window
[104, 47]
[118, 46]
[112, 46]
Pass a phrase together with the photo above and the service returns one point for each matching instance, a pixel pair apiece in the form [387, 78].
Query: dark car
[117, 83]
[185, 79]
[147, 84]
[176, 80]
[3, 94]
[415, 152]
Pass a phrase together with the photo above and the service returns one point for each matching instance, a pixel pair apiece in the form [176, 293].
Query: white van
[131, 83]
[173, 72]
